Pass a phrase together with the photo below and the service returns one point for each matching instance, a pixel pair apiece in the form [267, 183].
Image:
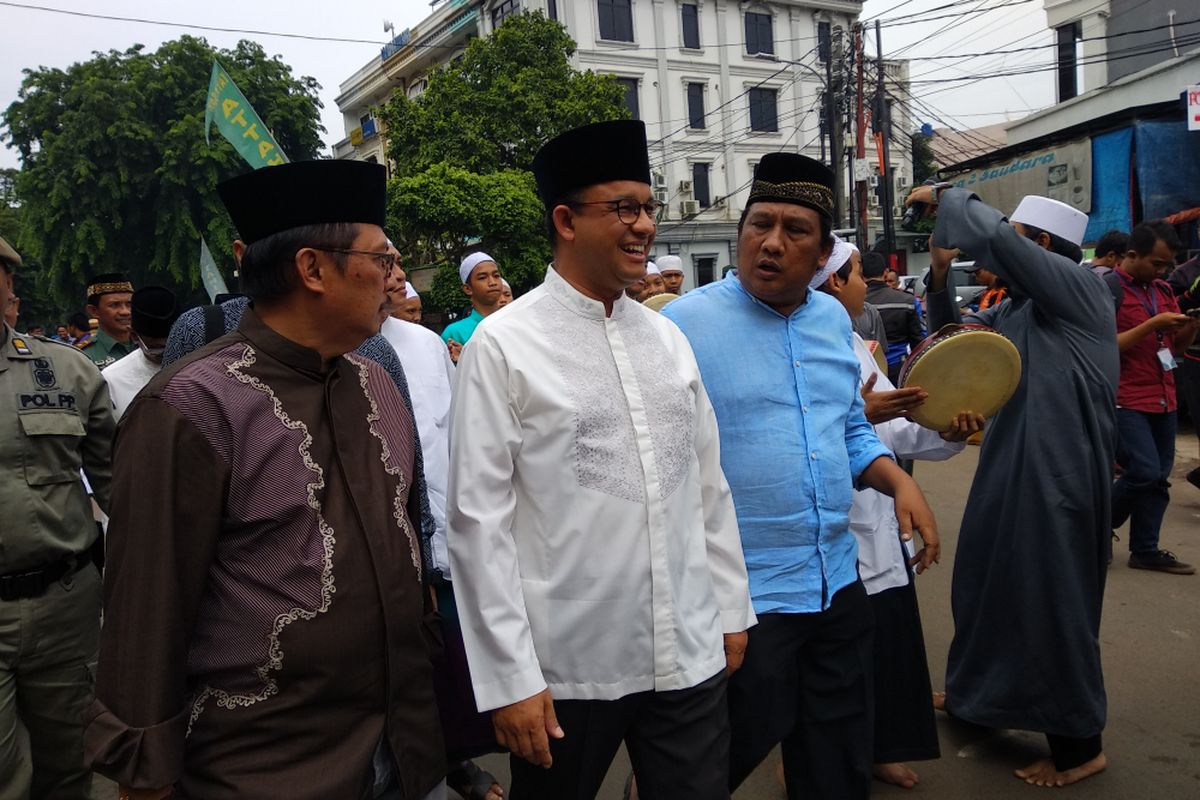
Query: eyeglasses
[628, 210]
[386, 260]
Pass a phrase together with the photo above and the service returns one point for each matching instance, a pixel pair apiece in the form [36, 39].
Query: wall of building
[1137, 15]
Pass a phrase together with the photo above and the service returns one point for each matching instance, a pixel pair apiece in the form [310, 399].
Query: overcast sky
[35, 38]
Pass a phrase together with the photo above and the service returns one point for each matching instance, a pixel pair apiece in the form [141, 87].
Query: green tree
[924, 163]
[116, 174]
[437, 213]
[493, 108]
[462, 151]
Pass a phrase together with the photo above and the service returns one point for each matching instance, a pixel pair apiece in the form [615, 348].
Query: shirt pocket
[52, 441]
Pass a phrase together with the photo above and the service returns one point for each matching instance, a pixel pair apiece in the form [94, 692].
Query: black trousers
[678, 742]
[807, 682]
[1069, 752]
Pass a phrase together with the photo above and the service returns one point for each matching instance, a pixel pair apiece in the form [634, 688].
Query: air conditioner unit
[660, 181]
[685, 187]
[662, 195]
[901, 181]
[873, 181]
[689, 208]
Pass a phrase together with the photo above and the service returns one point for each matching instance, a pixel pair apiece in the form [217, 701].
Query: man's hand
[921, 194]
[884, 406]
[964, 426]
[523, 727]
[914, 515]
[455, 349]
[1169, 320]
[735, 651]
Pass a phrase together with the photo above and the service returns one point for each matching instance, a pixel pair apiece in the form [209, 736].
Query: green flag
[237, 122]
[214, 282]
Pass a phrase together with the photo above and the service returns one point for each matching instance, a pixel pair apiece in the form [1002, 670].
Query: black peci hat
[154, 311]
[276, 199]
[793, 178]
[596, 153]
[108, 283]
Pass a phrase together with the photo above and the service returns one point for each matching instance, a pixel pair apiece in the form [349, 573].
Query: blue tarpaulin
[1111, 191]
[1168, 167]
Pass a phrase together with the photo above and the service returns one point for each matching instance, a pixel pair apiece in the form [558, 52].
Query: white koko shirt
[430, 375]
[882, 558]
[127, 377]
[592, 533]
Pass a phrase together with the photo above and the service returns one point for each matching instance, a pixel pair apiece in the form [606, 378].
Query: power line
[898, 21]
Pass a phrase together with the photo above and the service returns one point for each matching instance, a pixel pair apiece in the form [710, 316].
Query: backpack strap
[1113, 281]
[214, 323]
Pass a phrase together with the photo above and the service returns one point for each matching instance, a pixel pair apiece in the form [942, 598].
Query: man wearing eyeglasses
[265, 600]
[154, 310]
[597, 567]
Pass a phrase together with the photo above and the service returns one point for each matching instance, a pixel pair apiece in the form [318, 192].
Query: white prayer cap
[670, 264]
[1051, 216]
[842, 250]
[410, 291]
[469, 264]
[506, 284]
[652, 268]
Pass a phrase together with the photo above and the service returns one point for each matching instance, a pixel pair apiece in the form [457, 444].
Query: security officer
[109, 301]
[55, 417]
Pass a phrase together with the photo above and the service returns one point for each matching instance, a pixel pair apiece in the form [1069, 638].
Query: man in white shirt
[597, 563]
[154, 311]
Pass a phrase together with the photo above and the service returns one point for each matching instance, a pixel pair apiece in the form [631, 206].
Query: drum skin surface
[963, 368]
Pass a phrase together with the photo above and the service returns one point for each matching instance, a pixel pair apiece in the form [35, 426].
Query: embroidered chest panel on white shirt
[606, 447]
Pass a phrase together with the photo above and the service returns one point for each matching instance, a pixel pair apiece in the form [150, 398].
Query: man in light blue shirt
[794, 443]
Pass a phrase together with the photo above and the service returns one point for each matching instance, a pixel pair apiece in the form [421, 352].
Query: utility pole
[885, 178]
[833, 122]
[860, 187]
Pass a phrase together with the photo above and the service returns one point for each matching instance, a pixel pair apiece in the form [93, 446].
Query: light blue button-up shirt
[794, 439]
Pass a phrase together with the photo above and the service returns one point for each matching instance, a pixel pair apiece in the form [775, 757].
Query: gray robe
[1035, 538]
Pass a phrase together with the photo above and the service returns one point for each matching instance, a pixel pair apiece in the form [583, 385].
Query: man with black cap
[897, 308]
[55, 417]
[264, 605]
[794, 443]
[597, 569]
[154, 312]
[1035, 542]
[108, 300]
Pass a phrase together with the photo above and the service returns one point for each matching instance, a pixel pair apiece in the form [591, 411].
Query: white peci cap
[652, 268]
[469, 264]
[1051, 216]
[670, 264]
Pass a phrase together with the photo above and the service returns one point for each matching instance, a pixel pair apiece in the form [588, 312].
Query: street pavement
[1150, 639]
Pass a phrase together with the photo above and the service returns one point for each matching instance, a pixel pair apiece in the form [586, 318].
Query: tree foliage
[438, 213]
[506, 96]
[116, 175]
[924, 162]
[462, 150]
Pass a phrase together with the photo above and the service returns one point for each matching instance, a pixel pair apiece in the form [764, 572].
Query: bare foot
[1043, 773]
[939, 701]
[897, 774]
[496, 792]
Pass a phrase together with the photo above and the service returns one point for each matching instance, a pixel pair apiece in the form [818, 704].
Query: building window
[502, 10]
[1067, 36]
[364, 119]
[552, 9]
[706, 267]
[616, 20]
[700, 189]
[630, 86]
[762, 110]
[758, 34]
[691, 25]
[695, 103]
[823, 43]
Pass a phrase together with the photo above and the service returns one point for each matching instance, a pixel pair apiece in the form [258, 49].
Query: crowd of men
[345, 556]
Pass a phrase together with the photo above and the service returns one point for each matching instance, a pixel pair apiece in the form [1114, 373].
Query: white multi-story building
[718, 84]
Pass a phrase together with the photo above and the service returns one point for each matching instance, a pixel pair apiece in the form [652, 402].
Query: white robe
[127, 377]
[430, 375]
[592, 534]
[882, 560]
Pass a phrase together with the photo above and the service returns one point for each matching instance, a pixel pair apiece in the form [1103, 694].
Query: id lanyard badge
[1149, 301]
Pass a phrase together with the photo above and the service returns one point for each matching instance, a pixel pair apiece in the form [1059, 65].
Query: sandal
[472, 782]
